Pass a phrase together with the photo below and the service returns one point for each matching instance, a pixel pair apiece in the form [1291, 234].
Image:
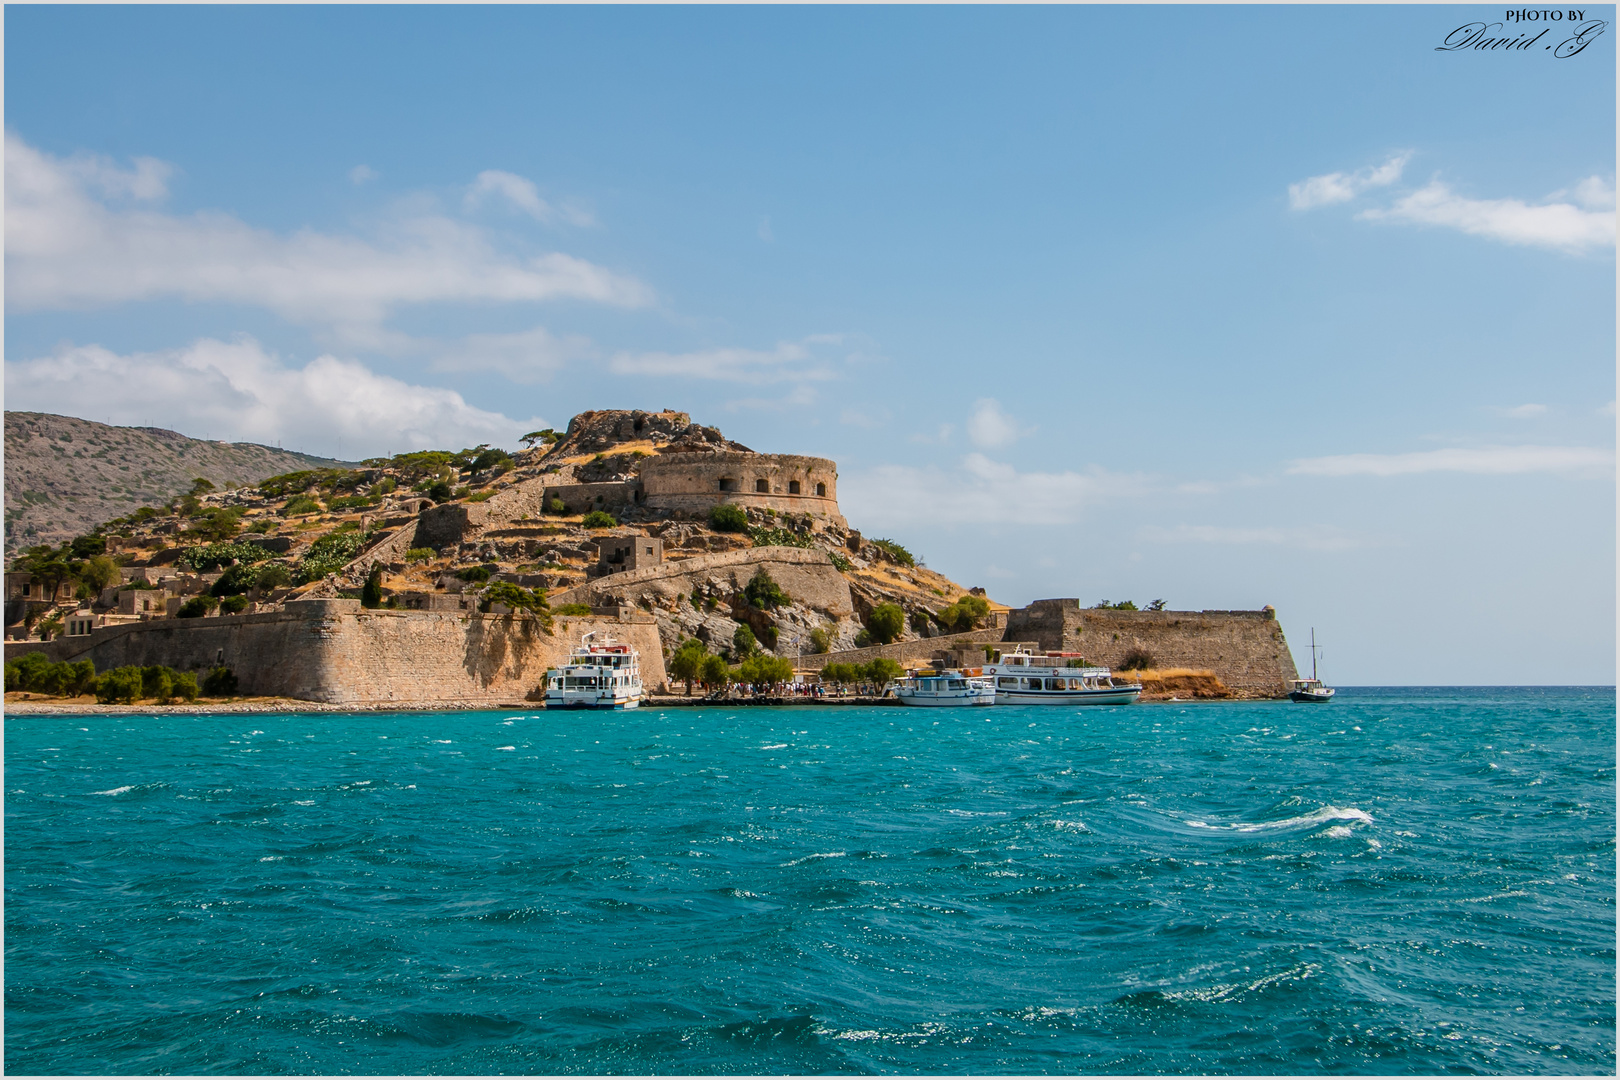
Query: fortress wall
[583, 498]
[805, 574]
[337, 652]
[1245, 649]
[902, 651]
[692, 482]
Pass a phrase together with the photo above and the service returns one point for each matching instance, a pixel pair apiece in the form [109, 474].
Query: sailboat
[1311, 689]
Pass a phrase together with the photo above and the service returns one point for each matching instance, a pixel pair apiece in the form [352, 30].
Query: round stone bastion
[786, 483]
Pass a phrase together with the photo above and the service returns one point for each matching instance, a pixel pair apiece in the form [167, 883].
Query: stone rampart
[900, 651]
[1245, 649]
[335, 651]
[786, 483]
[805, 574]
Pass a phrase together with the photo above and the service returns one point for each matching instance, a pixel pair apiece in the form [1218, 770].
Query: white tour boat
[944, 689]
[1056, 678]
[1311, 689]
[603, 674]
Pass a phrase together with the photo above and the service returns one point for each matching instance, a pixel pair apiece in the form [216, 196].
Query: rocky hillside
[65, 476]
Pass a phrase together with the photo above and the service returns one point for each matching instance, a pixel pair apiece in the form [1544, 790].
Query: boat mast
[1313, 654]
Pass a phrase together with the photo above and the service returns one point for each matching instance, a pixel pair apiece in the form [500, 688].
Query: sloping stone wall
[805, 574]
[337, 652]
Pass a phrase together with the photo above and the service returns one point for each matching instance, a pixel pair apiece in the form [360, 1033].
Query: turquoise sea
[1403, 881]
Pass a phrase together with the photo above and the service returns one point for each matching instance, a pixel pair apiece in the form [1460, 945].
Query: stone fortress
[657, 578]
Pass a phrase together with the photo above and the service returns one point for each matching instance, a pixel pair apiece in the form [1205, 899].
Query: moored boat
[1056, 678]
[604, 674]
[944, 688]
[1312, 689]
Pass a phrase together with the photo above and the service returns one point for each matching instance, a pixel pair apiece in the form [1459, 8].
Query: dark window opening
[727, 484]
[793, 487]
[763, 486]
[821, 489]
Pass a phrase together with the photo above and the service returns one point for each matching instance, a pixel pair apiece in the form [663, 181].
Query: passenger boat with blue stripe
[1056, 678]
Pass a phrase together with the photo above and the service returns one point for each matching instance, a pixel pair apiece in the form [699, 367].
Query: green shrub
[330, 554]
[728, 518]
[385, 486]
[491, 459]
[420, 555]
[233, 605]
[1123, 605]
[886, 623]
[299, 506]
[964, 614]
[80, 678]
[28, 672]
[273, 576]
[197, 607]
[185, 686]
[572, 609]
[479, 574]
[895, 552]
[841, 561]
[820, 642]
[439, 491]
[351, 502]
[599, 519]
[121, 686]
[863, 638]
[881, 670]
[556, 506]
[764, 593]
[156, 682]
[1136, 659]
[765, 670]
[237, 579]
[219, 682]
[743, 644]
[517, 598]
[715, 673]
[482, 496]
[686, 664]
[206, 557]
[769, 537]
[371, 595]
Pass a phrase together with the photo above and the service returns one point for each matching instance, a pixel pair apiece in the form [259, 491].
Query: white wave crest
[1315, 817]
[819, 855]
[116, 790]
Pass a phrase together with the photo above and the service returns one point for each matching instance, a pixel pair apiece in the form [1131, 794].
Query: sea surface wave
[1402, 881]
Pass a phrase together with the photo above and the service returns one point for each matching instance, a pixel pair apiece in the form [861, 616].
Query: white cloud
[1606, 410]
[360, 174]
[529, 356]
[1309, 537]
[1526, 411]
[240, 391]
[790, 361]
[990, 426]
[1562, 226]
[65, 248]
[1342, 187]
[1484, 460]
[524, 196]
[891, 496]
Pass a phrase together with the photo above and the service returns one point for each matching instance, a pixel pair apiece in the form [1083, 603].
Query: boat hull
[1308, 697]
[1112, 696]
[950, 699]
[592, 702]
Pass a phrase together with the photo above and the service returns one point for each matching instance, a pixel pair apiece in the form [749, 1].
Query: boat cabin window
[1007, 684]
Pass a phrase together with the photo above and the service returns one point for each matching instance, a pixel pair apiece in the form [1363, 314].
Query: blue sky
[1229, 306]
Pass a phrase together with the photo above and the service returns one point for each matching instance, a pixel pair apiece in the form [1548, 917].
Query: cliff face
[65, 476]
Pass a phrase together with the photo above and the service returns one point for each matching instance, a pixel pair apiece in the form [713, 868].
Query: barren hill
[65, 476]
